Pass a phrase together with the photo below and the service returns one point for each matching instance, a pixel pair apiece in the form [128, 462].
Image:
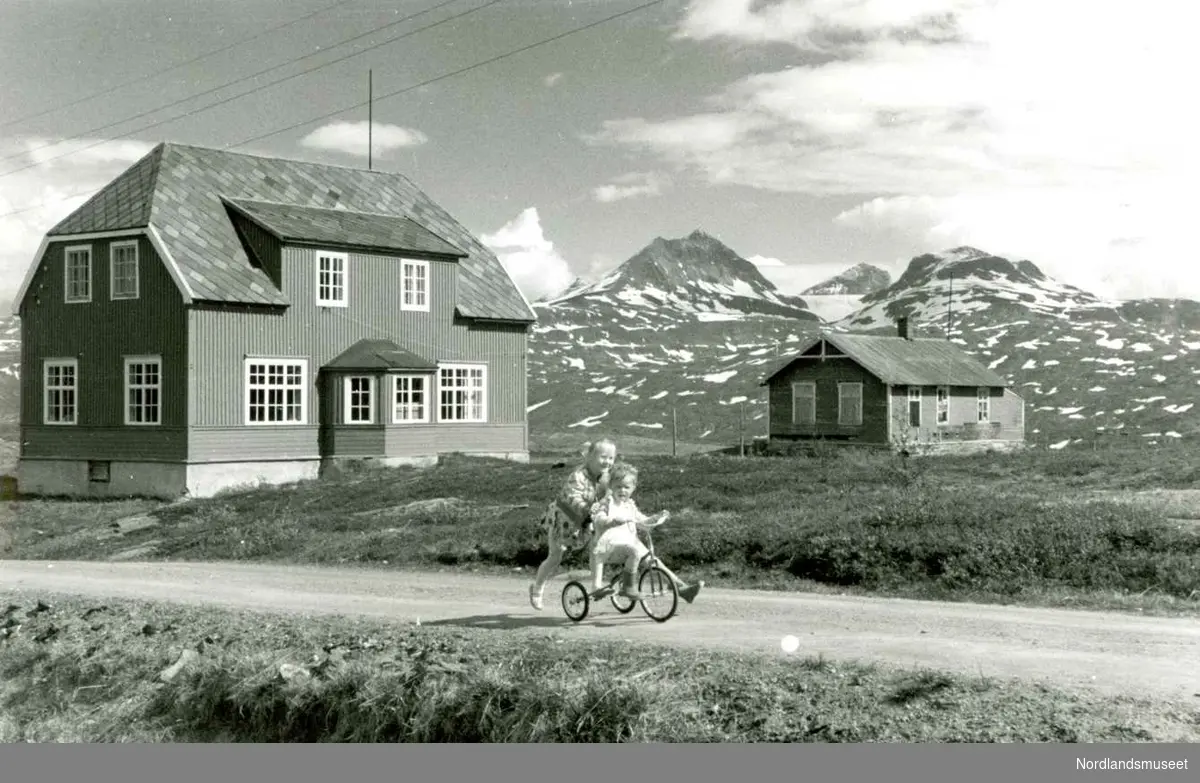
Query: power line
[177, 66]
[239, 81]
[46, 203]
[410, 88]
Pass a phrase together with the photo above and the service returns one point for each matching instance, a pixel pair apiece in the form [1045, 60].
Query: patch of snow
[1062, 444]
[1179, 408]
[590, 421]
[660, 395]
[720, 377]
[535, 406]
[647, 426]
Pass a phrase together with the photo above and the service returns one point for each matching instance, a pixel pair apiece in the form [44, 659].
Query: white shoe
[535, 597]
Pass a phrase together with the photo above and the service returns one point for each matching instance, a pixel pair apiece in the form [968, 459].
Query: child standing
[568, 520]
[617, 520]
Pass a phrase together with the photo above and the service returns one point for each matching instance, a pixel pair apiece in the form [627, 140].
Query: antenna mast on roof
[370, 120]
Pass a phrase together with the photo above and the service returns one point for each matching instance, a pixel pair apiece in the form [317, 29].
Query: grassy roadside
[1011, 529]
[74, 671]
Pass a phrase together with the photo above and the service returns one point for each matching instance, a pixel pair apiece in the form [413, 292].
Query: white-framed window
[77, 274]
[914, 406]
[804, 402]
[276, 391]
[143, 390]
[943, 405]
[462, 392]
[850, 404]
[983, 403]
[359, 400]
[123, 270]
[410, 399]
[415, 285]
[60, 391]
[331, 278]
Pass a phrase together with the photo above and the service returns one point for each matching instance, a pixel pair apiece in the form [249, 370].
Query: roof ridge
[180, 145]
[236, 199]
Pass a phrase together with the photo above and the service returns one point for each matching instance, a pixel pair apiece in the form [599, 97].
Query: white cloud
[818, 23]
[630, 186]
[529, 257]
[351, 138]
[1054, 131]
[764, 261]
[553, 79]
[41, 196]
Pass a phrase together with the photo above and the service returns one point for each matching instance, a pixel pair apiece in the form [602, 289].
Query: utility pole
[742, 428]
[370, 121]
[950, 307]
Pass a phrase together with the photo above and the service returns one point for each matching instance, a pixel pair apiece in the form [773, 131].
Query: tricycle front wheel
[660, 598]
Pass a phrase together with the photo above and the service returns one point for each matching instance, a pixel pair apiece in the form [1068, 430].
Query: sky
[808, 135]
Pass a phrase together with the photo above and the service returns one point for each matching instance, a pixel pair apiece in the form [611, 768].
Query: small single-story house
[211, 319]
[891, 391]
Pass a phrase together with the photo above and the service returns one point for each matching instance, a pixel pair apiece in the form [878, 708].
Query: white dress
[621, 536]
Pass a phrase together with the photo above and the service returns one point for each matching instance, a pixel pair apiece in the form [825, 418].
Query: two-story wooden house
[212, 319]
[889, 391]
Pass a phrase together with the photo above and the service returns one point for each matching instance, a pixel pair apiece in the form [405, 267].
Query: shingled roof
[375, 354]
[341, 227]
[899, 361]
[180, 192]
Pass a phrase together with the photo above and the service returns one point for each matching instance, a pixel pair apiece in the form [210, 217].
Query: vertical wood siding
[1007, 421]
[221, 338]
[99, 335]
[828, 374]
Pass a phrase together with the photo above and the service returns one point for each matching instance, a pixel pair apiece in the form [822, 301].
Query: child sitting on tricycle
[617, 521]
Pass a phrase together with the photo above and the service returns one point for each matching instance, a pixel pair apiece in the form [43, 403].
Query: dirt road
[1110, 653]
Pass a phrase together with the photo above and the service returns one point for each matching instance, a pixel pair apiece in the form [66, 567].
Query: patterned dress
[567, 514]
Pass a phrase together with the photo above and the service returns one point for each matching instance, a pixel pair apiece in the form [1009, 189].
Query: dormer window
[331, 279]
[415, 286]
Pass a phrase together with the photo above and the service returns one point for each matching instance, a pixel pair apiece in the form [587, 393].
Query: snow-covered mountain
[858, 280]
[965, 280]
[696, 276]
[10, 365]
[577, 285]
[842, 294]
